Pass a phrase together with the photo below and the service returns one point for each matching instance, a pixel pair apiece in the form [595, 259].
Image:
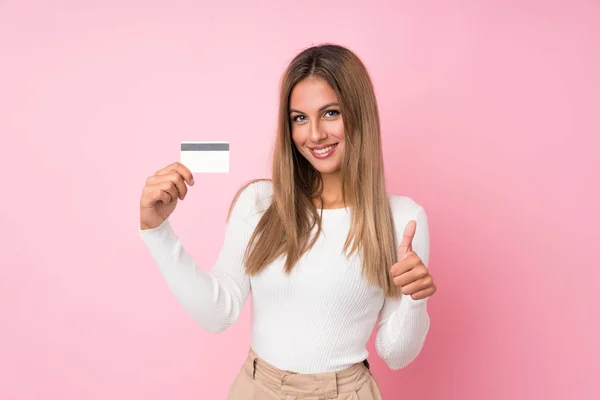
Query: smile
[324, 152]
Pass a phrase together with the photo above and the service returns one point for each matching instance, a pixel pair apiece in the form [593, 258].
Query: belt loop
[254, 368]
[366, 364]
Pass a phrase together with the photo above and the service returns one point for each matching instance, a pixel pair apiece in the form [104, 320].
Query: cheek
[338, 130]
[295, 140]
[340, 136]
[298, 137]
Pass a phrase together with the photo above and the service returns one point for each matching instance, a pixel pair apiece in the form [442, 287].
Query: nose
[317, 133]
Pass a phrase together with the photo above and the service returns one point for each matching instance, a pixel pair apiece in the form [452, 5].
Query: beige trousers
[258, 380]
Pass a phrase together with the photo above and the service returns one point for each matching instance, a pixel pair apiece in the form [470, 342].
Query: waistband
[323, 385]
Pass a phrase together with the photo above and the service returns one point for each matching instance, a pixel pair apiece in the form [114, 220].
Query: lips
[323, 151]
[323, 147]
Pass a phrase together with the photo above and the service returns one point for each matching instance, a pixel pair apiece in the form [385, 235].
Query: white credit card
[205, 157]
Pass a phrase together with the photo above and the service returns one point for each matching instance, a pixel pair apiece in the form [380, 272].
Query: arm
[214, 299]
[404, 322]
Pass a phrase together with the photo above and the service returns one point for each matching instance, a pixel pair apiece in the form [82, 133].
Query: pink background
[490, 120]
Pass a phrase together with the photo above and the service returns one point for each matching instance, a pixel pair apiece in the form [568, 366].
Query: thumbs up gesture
[409, 273]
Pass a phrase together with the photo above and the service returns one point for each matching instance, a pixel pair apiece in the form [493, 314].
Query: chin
[327, 169]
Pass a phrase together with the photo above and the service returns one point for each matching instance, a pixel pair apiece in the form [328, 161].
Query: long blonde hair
[285, 227]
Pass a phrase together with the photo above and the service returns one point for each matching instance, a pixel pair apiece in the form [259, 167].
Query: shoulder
[252, 198]
[404, 209]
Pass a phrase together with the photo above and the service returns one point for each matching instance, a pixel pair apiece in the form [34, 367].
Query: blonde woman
[327, 253]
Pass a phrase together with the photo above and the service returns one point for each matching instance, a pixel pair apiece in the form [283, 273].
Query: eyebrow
[320, 109]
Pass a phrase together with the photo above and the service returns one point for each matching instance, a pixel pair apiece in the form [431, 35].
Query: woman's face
[317, 124]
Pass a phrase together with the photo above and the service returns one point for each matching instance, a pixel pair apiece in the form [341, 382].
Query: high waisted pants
[258, 380]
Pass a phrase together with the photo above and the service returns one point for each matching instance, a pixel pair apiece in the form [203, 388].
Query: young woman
[325, 250]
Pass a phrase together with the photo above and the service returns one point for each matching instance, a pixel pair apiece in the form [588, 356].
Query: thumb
[407, 238]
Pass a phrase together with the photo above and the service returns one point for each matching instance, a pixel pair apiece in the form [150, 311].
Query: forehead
[311, 94]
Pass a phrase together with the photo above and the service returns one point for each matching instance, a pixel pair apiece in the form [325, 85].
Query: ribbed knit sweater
[317, 319]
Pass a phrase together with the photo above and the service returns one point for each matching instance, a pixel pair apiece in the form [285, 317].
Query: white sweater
[316, 320]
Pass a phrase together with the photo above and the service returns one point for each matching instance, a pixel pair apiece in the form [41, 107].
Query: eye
[332, 113]
[297, 118]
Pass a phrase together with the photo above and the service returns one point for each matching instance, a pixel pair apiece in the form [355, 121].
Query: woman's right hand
[160, 195]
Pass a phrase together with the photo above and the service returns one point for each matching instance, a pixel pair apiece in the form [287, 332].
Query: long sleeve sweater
[317, 319]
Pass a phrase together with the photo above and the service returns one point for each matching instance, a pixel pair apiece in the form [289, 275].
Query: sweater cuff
[409, 304]
[161, 238]
[408, 317]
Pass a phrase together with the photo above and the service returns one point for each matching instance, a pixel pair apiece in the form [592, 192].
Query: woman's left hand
[409, 273]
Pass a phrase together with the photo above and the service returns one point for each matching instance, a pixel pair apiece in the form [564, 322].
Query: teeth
[325, 150]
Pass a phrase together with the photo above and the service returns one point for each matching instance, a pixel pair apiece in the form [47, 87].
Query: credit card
[205, 157]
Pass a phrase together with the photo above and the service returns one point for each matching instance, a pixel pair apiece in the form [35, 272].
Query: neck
[331, 197]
